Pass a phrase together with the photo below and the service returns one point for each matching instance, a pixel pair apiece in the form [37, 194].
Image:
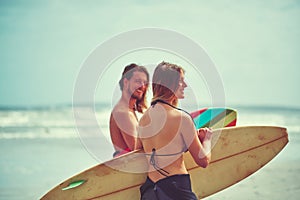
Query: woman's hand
[204, 134]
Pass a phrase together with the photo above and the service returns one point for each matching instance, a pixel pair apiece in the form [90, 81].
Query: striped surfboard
[214, 117]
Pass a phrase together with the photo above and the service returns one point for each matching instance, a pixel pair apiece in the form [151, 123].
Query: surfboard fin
[74, 184]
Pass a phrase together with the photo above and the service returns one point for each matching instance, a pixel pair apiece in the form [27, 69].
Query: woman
[166, 132]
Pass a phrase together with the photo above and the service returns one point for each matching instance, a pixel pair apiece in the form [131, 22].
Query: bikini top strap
[153, 103]
[153, 163]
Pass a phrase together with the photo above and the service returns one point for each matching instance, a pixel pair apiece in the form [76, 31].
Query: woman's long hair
[165, 82]
[141, 104]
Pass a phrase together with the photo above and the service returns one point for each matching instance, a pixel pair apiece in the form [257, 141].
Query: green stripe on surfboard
[229, 120]
[215, 117]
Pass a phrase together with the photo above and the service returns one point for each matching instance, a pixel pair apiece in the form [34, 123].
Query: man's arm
[127, 123]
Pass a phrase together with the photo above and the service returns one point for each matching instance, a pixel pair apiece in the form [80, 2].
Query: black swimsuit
[175, 187]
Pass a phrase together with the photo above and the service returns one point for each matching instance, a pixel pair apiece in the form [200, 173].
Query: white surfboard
[238, 152]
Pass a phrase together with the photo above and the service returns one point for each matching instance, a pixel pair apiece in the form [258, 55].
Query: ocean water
[41, 147]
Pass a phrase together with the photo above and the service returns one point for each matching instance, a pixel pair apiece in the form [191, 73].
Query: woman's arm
[201, 152]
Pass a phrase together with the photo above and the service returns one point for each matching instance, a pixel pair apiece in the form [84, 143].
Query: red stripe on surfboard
[233, 123]
[198, 112]
[107, 194]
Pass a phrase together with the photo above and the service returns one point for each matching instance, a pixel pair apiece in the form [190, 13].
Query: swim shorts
[176, 187]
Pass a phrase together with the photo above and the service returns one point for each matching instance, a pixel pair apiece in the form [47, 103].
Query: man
[123, 120]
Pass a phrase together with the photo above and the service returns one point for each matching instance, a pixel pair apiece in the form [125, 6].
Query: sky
[253, 44]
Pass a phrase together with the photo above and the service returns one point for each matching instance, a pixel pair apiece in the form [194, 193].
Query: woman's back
[160, 130]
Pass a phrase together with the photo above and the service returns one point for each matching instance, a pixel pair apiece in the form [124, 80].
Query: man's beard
[134, 96]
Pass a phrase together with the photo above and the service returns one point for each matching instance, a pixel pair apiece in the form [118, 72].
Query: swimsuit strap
[153, 163]
[171, 154]
[153, 103]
